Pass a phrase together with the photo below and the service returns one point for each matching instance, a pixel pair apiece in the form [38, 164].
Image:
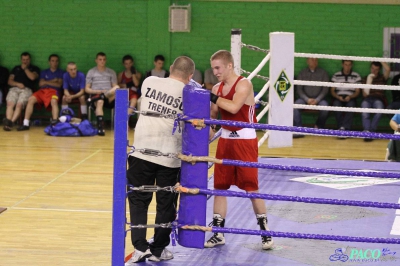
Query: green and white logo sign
[282, 85]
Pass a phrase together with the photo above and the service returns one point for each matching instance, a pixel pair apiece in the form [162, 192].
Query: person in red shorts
[233, 98]
[130, 78]
[50, 84]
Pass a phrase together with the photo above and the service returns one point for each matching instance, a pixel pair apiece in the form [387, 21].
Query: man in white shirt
[161, 95]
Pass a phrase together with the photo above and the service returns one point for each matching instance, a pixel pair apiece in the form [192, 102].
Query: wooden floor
[58, 193]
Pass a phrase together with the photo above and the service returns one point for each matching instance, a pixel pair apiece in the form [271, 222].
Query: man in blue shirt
[74, 83]
[50, 84]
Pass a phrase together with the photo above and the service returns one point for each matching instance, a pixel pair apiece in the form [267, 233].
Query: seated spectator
[393, 148]
[345, 97]
[209, 79]
[158, 70]
[49, 87]
[22, 81]
[74, 88]
[4, 74]
[197, 76]
[130, 78]
[395, 104]
[101, 83]
[312, 95]
[374, 98]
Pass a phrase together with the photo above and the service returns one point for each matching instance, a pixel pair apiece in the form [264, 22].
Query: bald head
[182, 67]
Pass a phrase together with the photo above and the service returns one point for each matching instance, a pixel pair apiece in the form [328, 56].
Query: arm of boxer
[243, 94]
[214, 107]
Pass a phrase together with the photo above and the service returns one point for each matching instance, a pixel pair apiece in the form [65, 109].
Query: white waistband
[245, 133]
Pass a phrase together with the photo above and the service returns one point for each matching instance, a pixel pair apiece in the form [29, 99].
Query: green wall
[78, 29]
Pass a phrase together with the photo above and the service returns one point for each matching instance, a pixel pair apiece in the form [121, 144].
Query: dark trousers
[141, 172]
[344, 119]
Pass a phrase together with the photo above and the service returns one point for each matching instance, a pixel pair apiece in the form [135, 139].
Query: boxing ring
[296, 190]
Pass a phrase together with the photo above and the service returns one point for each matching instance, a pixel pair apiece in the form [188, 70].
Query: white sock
[26, 122]
[84, 109]
[263, 215]
[64, 106]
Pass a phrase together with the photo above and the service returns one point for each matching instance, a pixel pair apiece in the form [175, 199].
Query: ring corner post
[281, 93]
[192, 208]
[236, 49]
[119, 177]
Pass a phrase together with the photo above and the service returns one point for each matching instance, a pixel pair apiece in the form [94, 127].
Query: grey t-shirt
[101, 80]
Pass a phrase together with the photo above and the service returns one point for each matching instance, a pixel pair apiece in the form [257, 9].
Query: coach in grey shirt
[312, 95]
[101, 83]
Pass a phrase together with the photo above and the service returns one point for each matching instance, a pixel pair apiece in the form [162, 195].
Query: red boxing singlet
[245, 114]
[124, 79]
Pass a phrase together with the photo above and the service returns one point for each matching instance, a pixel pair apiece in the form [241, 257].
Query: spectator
[130, 78]
[312, 95]
[374, 98]
[4, 74]
[395, 104]
[197, 76]
[22, 81]
[209, 79]
[74, 88]
[158, 70]
[49, 88]
[345, 97]
[101, 83]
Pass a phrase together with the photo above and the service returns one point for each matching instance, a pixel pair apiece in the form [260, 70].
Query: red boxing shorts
[237, 145]
[44, 96]
[133, 94]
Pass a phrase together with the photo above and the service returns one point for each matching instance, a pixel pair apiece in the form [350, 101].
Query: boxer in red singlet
[233, 97]
[130, 78]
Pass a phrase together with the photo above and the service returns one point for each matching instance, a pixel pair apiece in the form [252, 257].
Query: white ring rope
[256, 76]
[262, 91]
[345, 57]
[263, 138]
[259, 67]
[262, 113]
[346, 109]
[345, 85]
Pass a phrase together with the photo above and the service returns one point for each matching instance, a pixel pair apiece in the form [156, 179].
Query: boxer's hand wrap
[213, 98]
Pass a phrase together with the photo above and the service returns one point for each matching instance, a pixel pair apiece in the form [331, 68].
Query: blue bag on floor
[65, 129]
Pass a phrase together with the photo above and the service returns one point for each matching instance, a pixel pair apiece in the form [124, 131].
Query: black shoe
[23, 128]
[8, 124]
[367, 139]
[101, 132]
[84, 117]
[342, 137]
